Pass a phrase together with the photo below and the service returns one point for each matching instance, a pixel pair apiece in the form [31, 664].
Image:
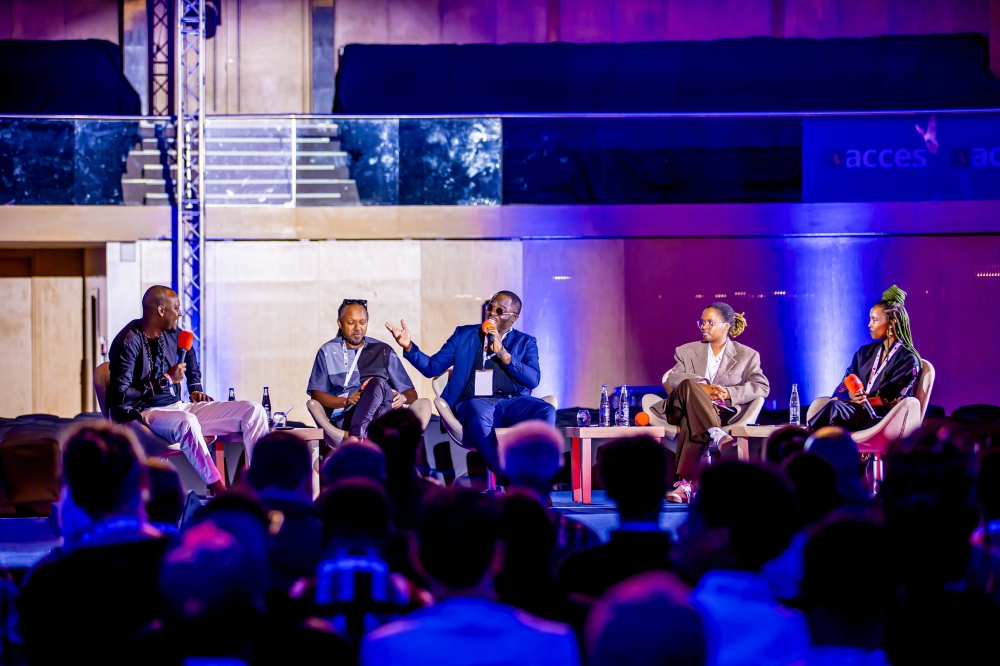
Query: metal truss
[161, 56]
[189, 238]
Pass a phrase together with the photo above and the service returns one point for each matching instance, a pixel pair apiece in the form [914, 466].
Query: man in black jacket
[145, 384]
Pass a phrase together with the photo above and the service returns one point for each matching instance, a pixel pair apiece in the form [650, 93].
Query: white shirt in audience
[463, 631]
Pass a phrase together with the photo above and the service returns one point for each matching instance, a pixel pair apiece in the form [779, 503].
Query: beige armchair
[156, 447]
[421, 407]
[650, 399]
[905, 417]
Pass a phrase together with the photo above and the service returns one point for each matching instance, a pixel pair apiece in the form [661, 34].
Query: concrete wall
[59, 19]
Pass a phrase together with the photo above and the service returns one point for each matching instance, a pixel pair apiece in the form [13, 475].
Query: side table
[580, 454]
[744, 433]
[313, 437]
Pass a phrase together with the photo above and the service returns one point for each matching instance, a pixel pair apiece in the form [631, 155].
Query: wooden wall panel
[16, 390]
[361, 22]
[275, 57]
[468, 21]
[57, 349]
[868, 18]
[585, 21]
[414, 21]
[640, 21]
[522, 21]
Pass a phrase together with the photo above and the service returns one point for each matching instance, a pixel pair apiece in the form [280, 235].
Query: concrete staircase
[248, 162]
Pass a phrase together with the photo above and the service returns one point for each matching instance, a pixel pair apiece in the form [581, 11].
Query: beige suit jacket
[739, 371]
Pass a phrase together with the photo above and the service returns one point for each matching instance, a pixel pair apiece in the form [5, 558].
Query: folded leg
[227, 418]
[175, 424]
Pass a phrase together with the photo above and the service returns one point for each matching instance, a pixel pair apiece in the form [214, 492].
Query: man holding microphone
[495, 369]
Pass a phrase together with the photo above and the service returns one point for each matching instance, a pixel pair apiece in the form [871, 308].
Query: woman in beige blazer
[711, 382]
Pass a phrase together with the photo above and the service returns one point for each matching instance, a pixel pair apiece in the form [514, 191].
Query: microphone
[853, 384]
[184, 342]
[489, 328]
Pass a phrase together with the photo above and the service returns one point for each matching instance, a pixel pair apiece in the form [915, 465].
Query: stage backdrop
[604, 310]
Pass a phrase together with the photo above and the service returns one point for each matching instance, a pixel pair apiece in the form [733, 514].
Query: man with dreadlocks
[888, 368]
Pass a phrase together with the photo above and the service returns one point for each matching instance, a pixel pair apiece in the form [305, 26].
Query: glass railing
[295, 161]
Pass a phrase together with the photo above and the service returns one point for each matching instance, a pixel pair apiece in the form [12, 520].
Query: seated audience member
[531, 455]
[353, 586]
[846, 606]
[526, 580]
[837, 447]
[888, 368]
[281, 474]
[357, 378]
[145, 385]
[351, 459]
[783, 442]
[460, 553]
[645, 621]
[165, 505]
[713, 380]
[399, 434]
[249, 521]
[725, 541]
[946, 615]
[634, 471]
[98, 595]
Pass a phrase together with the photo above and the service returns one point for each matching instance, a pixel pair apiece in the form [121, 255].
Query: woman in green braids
[888, 368]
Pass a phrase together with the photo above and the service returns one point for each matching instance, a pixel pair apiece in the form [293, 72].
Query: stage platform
[23, 541]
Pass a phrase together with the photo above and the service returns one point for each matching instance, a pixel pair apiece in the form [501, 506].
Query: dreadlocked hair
[348, 302]
[737, 323]
[897, 316]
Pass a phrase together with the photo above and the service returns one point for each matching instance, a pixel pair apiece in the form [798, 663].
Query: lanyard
[350, 370]
[877, 369]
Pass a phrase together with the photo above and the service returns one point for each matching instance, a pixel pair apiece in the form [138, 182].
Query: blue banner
[901, 158]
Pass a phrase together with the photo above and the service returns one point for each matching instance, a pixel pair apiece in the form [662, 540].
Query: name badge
[484, 383]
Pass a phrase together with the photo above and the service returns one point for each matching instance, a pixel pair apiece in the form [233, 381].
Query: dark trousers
[481, 416]
[376, 400]
[690, 409]
[847, 415]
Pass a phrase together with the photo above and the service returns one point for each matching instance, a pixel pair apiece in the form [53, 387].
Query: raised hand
[402, 334]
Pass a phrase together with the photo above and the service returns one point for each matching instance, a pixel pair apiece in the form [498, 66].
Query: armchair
[421, 407]
[905, 417]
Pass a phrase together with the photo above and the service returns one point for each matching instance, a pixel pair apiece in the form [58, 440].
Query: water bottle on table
[232, 395]
[266, 404]
[621, 415]
[794, 410]
[605, 414]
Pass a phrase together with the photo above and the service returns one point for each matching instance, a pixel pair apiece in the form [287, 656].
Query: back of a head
[634, 472]
[814, 483]
[458, 536]
[281, 461]
[644, 621]
[838, 572]
[759, 530]
[836, 445]
[785, 441]
[929, 504]
[207, 587]
[988, 485]
[356, 510]
[531, 454]
[354, 459]
[166, 501]
[398, 434]
[526, 531]
[243, 516]
[104, 471]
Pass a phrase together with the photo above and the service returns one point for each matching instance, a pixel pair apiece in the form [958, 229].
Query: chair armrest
[552, 400]
[421, 408]
[751, 413]
[901, 420]
[334, 435]
[451, 424]
[817, 404]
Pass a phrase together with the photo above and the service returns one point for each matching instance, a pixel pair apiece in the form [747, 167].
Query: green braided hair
[899, 319]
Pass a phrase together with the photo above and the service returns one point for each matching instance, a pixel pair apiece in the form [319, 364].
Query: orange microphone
[853, 384]
[184, 342]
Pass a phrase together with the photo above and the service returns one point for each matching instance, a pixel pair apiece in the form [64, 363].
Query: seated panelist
[145, 386]
[357, 378]
[888, 369]
[495, 369]
[712, 381]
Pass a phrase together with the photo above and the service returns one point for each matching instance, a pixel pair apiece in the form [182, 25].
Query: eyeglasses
[708, 324]
[355, 301]
[499, 311]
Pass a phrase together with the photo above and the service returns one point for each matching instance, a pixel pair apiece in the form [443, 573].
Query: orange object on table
[642, 419]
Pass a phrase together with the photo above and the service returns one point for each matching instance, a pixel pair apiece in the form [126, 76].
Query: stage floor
[23, 541]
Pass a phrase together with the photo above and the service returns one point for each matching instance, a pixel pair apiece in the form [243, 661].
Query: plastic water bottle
[621, 416]
[232, 395]
[266, 404]
[793, 407]
[605, 416]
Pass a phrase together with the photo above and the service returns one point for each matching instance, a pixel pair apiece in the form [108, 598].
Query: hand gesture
[177, 372]
[353, 398]
[402, 335]
[859, 397]
[398, 400]
[719, 393]
[200, 396]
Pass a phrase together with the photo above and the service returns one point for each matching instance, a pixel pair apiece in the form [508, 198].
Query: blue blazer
[462, 350]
